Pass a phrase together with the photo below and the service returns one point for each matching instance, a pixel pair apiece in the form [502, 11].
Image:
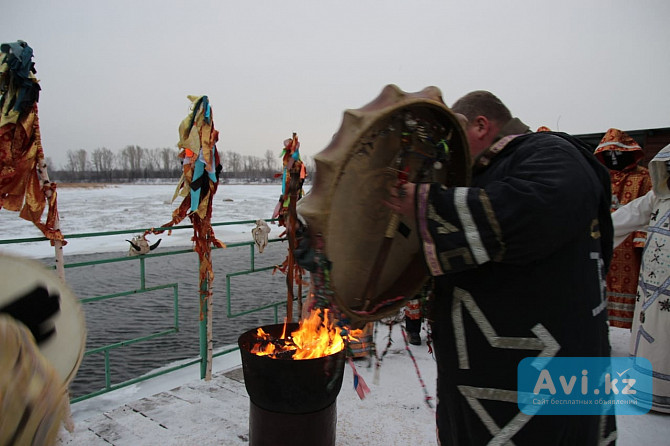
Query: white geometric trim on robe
[542, 341]
[469, 226]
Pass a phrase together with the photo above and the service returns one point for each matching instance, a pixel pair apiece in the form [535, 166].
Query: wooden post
[206, 348]
[291, 226]
[43, 175]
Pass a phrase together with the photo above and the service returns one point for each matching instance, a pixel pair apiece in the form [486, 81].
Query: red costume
[621, 154]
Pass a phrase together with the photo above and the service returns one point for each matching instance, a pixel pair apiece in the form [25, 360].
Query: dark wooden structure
[651, 140]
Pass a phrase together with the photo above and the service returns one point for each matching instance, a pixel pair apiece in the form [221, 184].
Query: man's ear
[482, 126]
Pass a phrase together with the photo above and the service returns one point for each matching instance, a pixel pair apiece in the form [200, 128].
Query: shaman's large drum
[375, 257]
[42, 341]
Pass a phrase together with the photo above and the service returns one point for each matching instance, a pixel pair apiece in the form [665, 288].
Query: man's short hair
[482, 103]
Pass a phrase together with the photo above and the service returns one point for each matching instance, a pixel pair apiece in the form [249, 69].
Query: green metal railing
[105, 350]
[252, 269]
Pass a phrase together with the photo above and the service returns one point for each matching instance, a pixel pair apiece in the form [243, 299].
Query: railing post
[142, 273]
[108, 373]
[252, 265]
[204, 285]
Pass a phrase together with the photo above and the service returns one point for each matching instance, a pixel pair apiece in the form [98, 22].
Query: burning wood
[315, 337]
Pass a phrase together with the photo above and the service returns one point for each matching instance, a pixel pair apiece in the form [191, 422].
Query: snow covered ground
[393, 413]
[179, 410]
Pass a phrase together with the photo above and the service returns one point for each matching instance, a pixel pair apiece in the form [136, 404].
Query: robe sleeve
[640, 237]
[633, 216]
[532, 202]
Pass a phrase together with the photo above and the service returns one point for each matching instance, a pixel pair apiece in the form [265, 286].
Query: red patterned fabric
[629, 181]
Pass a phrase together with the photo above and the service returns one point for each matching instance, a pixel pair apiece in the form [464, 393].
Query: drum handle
[392, 225]
[391, 228]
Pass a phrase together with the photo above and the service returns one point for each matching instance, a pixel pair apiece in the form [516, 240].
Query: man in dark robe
[519, 259]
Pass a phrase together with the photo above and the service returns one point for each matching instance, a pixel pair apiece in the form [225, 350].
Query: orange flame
[315, 337]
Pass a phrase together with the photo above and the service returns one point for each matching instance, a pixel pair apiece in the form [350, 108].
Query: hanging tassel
[429, 341]
[427, 398]
[379, 359]
[373, 352]
[360, 386]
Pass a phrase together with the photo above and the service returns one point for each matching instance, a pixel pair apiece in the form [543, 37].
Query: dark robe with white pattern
[520, 259]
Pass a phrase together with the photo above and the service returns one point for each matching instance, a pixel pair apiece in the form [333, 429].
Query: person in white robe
[650, 333]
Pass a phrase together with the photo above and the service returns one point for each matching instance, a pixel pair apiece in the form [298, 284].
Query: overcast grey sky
[115, 73]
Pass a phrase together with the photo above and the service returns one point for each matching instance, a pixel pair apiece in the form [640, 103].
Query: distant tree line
[137, 163]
